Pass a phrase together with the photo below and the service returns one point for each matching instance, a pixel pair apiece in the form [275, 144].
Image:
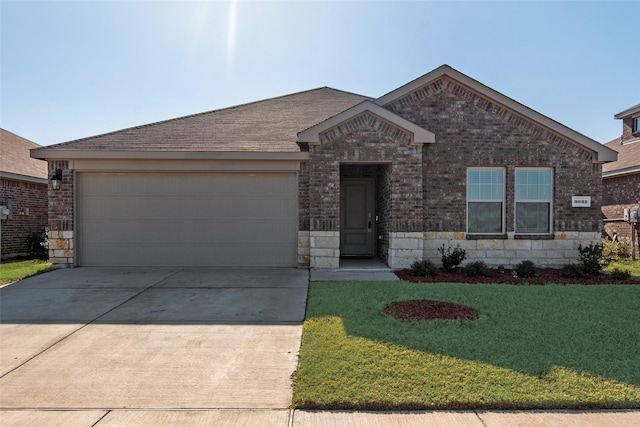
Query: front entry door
[357, 218]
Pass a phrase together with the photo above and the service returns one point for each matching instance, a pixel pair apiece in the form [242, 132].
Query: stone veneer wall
[556, 252]
[61, 233]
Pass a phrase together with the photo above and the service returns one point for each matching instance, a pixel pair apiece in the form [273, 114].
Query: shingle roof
[628, 158]
[270, 125]
[15, 159]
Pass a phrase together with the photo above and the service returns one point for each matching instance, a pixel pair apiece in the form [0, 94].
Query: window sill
[534, 237]
[487, 236]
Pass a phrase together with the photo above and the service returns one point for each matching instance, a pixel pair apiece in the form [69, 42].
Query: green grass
[548, 346]
[632, 266]
[10, 271]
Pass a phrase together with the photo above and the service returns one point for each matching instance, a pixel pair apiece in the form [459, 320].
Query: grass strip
[548, 346]
[11, 271]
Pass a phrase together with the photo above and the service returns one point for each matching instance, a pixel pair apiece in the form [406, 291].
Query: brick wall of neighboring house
[619, 193]
[29, 214]
[473, 132]
[61, 233]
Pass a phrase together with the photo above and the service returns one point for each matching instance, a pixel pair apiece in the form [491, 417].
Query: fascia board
[604, 154]
[25, 178]
[61, 154]
[620, 172]
[628, 112]
[312, 135]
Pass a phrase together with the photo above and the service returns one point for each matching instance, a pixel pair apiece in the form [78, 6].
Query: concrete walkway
[166, 346]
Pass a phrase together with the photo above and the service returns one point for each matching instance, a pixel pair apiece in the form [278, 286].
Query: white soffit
[420, 135]
[604, 154]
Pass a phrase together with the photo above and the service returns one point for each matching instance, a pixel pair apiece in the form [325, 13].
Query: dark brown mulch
[547, 276]
[423, 309]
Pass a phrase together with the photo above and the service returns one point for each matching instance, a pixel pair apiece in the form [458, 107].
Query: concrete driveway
[150, 338]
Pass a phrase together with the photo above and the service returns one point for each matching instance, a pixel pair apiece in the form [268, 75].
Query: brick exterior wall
[423, 190]
[473, 132]
[61, 233]
[366, 139]
[619, 193]
[29, 214]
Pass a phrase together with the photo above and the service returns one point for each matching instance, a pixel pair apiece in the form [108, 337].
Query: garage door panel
[185, 219]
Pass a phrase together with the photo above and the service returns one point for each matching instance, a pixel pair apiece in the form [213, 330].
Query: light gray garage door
[187, 219]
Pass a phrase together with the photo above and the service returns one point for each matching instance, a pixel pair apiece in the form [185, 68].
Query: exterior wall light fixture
[56, 179]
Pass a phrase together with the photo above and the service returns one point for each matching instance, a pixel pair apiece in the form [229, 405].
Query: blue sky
[72, 69]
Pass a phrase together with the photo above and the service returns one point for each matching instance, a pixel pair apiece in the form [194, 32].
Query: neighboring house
[308, 178]
[621, 179]
[23, 191]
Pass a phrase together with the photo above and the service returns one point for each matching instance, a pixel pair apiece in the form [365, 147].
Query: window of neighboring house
[533, 200]
[485, 201]
[636, 124]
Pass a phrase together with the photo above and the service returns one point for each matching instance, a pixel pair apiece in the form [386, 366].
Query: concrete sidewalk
[298, 418]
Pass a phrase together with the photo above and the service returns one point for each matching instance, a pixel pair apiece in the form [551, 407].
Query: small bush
[527, 269]
[591, 257]
[477, 269]
[452, 258]
[423, 268]
[615, 251]
[620, 274]
[572, 271]
[37, 245]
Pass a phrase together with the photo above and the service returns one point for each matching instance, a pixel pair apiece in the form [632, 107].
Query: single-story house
[23, 194]
[621, 179]
[307, 178]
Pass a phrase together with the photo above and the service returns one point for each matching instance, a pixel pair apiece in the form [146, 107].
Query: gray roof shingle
[628, 157]
[15, 159]
[270, 125]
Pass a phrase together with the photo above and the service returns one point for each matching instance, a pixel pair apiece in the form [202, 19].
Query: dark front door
[357, 217]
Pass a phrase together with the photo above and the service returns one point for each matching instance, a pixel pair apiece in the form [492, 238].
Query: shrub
[37, 245]
[527, 269]
[477, 269]
[451, 258]
[572, 271]
[615, 251]
[620, 274]
[590, 257]
[423, 268]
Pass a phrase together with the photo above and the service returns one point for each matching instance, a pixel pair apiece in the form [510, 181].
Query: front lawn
[11, 271]
[554, 346]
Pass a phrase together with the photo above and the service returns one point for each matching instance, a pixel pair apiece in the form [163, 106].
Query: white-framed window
[636, 124]
[533, 198]
[485, 201]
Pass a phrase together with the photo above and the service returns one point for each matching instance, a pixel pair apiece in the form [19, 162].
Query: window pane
[485, 184]
[485, 217]
[533, 184]
[532, 218]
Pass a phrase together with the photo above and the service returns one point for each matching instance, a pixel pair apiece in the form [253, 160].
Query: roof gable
[603, 154]
[15, 162]
[419, 135]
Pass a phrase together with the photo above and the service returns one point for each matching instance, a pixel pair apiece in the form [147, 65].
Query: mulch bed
[547, 276]
[423, 309]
